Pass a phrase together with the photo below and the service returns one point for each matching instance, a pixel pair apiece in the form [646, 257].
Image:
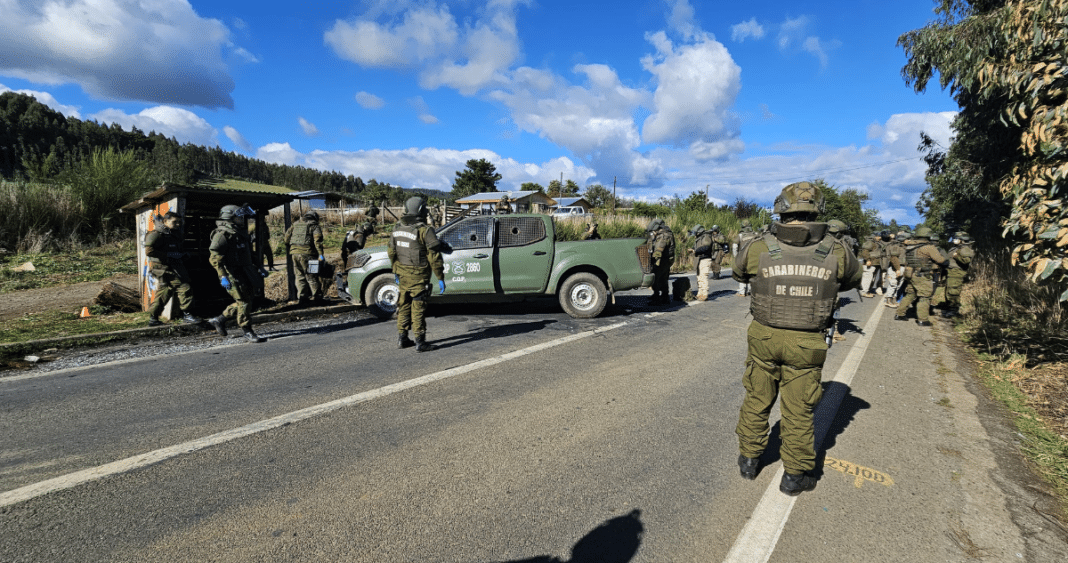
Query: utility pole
[706, 195]
[613, 195]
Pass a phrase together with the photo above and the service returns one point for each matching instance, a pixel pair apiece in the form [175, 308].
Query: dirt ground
[72, 298]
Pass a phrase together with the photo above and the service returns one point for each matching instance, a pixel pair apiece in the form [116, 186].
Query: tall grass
[37, 217]
[1006, 313]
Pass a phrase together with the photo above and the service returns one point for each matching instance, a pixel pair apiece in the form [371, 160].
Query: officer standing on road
[163, 246]
[894, 263]
[797, 271]
[745, 234]
[415, 251]
[960, 259]
[719, 251]
[662, 252]
[922, 260]
[304, 242]
[702, 254]
[231, 256]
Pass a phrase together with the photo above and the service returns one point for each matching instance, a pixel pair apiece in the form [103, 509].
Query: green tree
[532, 187]
[1004, 62]
[847, 206]
[106, 181]
[479, 176]
[598, 196]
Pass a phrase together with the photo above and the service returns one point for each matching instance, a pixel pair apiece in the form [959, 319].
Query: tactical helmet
[922, 232]
[800, 197]
[415, 207]
[311, 215]
[834, 226]
[901, 235]
[698, 229]
[654, 224]
[715, 228]
[868, 245]
[229, 212]
[963, 236]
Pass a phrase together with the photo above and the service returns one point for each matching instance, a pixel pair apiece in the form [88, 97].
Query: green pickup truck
[501, 258]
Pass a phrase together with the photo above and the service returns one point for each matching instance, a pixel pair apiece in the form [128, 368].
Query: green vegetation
[64, 268]
[52, 324]
[479, 176]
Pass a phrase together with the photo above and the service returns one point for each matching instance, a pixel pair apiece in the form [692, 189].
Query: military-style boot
[219, 323]
[154, 321]
[421, 344]
[794, 485]
[749, 466]
[252, 337]
[403, 341]
[191, 319]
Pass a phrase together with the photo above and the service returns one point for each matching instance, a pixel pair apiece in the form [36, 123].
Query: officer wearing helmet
[355, 240]
[745, 234]
[702, 254]
[504, 205]
[719, 251]
[231, 256]
[415, 251]
[304, 243]
[796, 271]
[662, 253]
[922, 260]
[960, 260]
[894, 259]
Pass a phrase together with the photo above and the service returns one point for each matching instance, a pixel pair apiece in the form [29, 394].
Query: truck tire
[381, 296]
[583, 295]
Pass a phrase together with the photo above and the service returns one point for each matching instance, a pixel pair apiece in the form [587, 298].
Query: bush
[37, 217]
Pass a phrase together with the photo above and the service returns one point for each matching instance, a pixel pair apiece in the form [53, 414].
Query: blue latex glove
[263, 272]
[225, 281]
[441, 285]
[396, 278]
[322, 258]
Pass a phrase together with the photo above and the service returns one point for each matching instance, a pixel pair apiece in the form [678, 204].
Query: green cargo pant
[411, 302]
[918, 288]
[168, 284]
[308, 286]
[954, 284]
[787, 363]
[241, 309]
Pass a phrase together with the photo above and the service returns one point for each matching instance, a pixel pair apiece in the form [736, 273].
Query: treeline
[39, 144]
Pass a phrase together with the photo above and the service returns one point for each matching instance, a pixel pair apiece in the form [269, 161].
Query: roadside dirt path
[63, 298]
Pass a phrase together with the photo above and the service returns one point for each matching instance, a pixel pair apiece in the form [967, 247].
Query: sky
[660, 97]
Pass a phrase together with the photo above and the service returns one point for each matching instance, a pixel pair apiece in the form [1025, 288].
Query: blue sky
[665, 96]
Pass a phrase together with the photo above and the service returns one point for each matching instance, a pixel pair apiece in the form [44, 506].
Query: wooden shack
[199, 207]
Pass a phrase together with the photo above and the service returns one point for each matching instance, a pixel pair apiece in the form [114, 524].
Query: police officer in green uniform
[355, 240]
[745, 234]
[304, 241]
[922, 259]
[960, 259]
[796, 272]
[415, 252]
[702, 255]
[163, 246]
[662, 252]
[231, 256]
[719, 251]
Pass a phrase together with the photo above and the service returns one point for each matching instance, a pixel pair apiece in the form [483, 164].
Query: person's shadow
[615, 541]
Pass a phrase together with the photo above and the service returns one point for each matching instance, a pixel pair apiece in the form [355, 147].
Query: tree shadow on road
[615, 541]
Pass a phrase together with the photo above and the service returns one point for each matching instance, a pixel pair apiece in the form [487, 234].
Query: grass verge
[54, 269]
[53, 324]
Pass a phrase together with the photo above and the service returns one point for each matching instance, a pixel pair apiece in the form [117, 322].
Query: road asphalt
[527, 437]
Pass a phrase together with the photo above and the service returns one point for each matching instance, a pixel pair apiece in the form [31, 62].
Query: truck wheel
[583, 295]
[381, 296]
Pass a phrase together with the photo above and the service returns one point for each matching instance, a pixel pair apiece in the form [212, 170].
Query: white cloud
[369, 101]
[423, 110]
[681, 19]
[465, 57]
[279, 153]
[308, 127]
[156, 51]
[46, 99]
[793, 36]
[237, 138]
[183, 125]
[742, 31]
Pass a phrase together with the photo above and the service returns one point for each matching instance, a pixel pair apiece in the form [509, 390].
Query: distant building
[520, 201]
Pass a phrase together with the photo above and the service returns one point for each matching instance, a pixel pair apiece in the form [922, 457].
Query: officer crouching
[796, 271]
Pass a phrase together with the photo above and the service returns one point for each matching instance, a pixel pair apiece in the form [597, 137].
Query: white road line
[757, 540]
[146, 459]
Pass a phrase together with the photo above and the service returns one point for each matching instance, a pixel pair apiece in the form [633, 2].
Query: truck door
[469, 268]
[524, 254]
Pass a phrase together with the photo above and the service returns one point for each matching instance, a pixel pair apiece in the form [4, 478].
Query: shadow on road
[493, 332]
[615, 541]
[326, 329]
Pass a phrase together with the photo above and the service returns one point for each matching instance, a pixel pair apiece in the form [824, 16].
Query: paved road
[529, 436]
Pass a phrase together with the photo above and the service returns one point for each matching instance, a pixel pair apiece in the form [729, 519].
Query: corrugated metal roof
[215, 193]
[496, 196]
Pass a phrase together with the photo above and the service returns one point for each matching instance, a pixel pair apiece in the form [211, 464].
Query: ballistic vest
[703, 247]
[918, 262]
[166, 247]
[796, 287]
[409, 244]
[961, 257]
[301, 241]
[238, 251]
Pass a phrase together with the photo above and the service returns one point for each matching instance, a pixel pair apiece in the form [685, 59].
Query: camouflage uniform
[921, 258]
[355, 240]
[163, 247]
[960, 259]
[894, 265]
[796, 272]
[662, 252]
[702, 255]
[504, 206]
[304, 241]
[591, 232]
[231, 256]
[415, 252]
[745, 234]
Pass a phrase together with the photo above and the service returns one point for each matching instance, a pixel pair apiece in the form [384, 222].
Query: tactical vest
[238, 252]
[796, 287]
[409, 245]
[302, 236]
[961, 257]
[166, 248]
[703, 247]
[918, 262]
